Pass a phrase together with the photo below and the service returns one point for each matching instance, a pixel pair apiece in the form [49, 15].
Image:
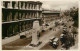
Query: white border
[36, 0]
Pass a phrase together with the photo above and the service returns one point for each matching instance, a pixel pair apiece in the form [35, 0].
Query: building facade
[49, 16]
[18, 16]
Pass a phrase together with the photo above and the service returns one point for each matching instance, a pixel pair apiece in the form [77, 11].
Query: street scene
[39, 25]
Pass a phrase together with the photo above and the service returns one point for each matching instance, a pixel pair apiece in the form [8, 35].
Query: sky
[64, 5]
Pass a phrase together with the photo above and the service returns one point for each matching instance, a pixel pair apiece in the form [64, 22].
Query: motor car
[51, 41]
[65, 31]
[43, 30]
[55, 43]
[61, 35]
[50, 28]
[64, 27]
[62, 38]
[22, 36]
[46, 24]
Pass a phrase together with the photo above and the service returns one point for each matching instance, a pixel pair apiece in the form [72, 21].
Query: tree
[74, 15]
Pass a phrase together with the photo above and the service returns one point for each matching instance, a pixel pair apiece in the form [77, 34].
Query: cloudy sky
[59, 4]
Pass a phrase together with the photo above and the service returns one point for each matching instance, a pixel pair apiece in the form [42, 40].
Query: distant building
[49, 16]
[18, 16]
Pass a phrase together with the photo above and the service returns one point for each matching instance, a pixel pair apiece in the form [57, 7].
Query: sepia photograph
[40, 25]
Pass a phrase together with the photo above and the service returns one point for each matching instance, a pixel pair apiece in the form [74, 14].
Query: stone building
[49, 15]
[18, 16]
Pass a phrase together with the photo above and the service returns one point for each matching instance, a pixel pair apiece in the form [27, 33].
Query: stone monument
[36, 30]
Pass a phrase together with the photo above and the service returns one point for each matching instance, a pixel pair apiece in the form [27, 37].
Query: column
[37, 7]
[27, 6]
[33, 15]
[23, 5]
[10, 4]
[10, 16]
[20, 5]
[16, 15]
[30, 6]
[40, 7]
[37, 14]
[3, 4]
[16, 5]
[40, 14]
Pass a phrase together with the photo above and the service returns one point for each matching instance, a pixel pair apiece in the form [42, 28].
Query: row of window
[15, 15]
[15, 28]
[22, 5]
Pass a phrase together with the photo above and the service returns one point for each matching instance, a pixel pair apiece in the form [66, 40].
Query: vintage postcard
[40, 25]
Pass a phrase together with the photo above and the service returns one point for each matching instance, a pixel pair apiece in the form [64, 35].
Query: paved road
[48, 47]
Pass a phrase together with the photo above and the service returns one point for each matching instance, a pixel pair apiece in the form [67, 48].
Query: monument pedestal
[36, 28]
